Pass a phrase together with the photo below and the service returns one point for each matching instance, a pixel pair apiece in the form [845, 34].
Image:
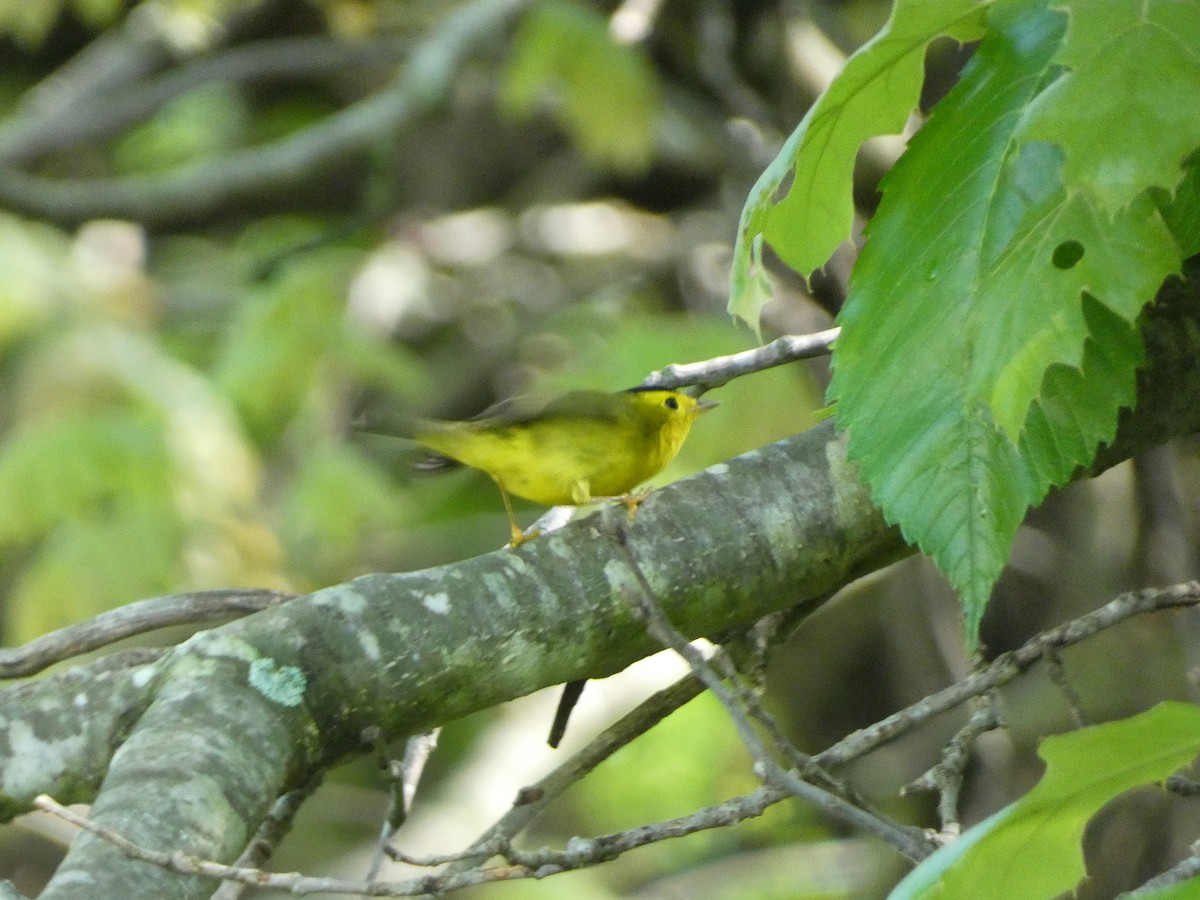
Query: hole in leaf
[1067, 254]
[784, 186]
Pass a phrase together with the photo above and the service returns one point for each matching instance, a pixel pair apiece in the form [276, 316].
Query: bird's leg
[581, 492]
[634, 499]
[518, 536]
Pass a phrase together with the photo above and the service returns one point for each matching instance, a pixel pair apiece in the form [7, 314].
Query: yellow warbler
[582, 446]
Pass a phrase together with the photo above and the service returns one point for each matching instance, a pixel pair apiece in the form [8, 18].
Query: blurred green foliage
[605, 94]
[177, 399]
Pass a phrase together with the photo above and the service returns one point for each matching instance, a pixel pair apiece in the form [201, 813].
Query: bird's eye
[672, 403]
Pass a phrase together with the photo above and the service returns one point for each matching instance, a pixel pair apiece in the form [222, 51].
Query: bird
[580, 447]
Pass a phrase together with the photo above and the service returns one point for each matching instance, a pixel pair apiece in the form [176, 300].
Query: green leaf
[97, 561]
[752, 287]
[1075, 410]
[1044, 246]
[1125, 111]
[30, 22]
[62, 468]
[957, 370]
[200, 124]
[603, 93]
[336, 505]
[33, 262]
[802, 203]
[1182, 211]
[937, 464]
[1033, 848]
[280, 337]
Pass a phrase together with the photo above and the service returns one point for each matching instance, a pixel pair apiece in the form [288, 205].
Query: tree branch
[24, 138]
[133, 619]
[467, 867]
[712, 373]
[202, 189]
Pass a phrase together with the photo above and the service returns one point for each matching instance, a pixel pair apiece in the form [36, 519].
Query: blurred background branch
[203, 189]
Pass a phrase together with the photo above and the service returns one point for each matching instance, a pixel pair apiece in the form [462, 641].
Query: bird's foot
[520, 537]
[633, 500]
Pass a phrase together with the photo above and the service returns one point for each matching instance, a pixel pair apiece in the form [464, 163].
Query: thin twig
[534, 798]
[133, 619]
[907, 841]
[580, 852]
[406, 775]
[947, 776]
[292, 882]
[274, 827]
[571, 693]
[804, 764]
[496, 846]
[1182, 785]
[1058, 674]
[712, 373]
[1008, 666]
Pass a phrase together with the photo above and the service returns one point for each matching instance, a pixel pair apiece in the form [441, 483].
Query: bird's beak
[705, 405]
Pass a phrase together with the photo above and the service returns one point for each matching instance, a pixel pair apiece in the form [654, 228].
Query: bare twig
[406, 775]
[292, 882]
[417, 751]
[1182, 785]
[947, 776]
[109, 64]
[571, 693]
[135, 618]
[1058, 674]
[580, 852]
[909, 842]
[485, 851]
[534, 798]
[802, 762]
[1008, 666]
[274, 827]
[712, 373]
